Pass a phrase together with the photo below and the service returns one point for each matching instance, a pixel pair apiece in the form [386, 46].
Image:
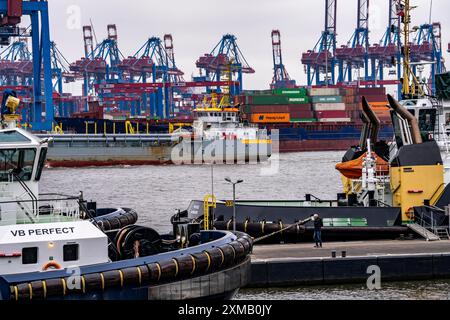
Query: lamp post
[234, 199]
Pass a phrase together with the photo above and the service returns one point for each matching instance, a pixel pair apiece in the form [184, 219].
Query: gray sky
[197, 25]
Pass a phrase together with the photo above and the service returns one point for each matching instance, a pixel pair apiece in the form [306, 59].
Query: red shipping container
[353, 107]
[299, 107]
[373, 98]
[269, 109]
[380, 91]
[331, 114]
[302, 115]
[348, 92]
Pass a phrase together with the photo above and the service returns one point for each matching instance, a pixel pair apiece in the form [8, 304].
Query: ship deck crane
[320, 62]
[281, 78]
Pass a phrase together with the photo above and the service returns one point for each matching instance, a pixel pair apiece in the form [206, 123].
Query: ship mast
[411, 86]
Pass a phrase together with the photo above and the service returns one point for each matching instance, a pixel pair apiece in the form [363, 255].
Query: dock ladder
[424, 232]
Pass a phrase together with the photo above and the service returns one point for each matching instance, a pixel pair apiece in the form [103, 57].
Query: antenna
[431, 11]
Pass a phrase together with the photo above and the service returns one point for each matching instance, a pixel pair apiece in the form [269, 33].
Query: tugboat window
[30, 255]
[41, 163]
[70, 252]
[16, 163]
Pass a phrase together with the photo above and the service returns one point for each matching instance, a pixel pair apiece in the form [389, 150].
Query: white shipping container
[329, 106]
[324, 92]
[335, 120]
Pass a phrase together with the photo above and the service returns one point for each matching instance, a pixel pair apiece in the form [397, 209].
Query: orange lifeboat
[353, 169]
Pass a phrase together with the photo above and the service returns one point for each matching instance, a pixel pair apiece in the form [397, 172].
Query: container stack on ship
[315, 119]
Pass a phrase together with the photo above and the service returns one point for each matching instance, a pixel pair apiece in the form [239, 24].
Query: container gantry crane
[16, 64]
[153, 62]
[100, 64]
[281, 78]
[215, 63]
[355, 55]
[11, 12]
[426, 49]
[387, 53]
[67, 104]
[320, 62]
[175, 73]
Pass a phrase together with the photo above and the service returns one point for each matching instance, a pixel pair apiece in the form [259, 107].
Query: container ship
[315, 119]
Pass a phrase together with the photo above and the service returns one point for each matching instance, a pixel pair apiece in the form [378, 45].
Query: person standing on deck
[318, 224]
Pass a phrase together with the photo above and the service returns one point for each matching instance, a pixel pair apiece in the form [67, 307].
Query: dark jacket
[318, 224]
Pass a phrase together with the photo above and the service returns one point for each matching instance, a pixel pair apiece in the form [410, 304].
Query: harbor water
[157, 192]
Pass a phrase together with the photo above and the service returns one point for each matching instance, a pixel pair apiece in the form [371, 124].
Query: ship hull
[215, 269]
[98, 150]
[261, 219]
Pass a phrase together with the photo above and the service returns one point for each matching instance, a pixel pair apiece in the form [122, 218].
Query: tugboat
[218, 136]
[56, 246]
[390, 189]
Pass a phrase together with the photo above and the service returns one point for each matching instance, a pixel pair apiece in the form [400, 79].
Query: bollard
[344, 254]
[333, 254]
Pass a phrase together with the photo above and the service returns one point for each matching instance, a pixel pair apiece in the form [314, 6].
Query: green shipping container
[326, 99]
[303, 120]
[267, 100]
[298, 100]
[291, 92]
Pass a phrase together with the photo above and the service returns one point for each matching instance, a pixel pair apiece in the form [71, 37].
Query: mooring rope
[282, 230]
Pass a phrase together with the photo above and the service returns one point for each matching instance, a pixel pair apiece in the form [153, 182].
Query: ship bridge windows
[427, 120]
[13, 137]
[16, 163]
[41, 163]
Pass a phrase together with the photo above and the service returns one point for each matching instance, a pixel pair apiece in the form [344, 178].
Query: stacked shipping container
[327, 105]
[278, 106]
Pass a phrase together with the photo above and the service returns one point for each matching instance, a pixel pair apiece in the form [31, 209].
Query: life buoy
[51, 264]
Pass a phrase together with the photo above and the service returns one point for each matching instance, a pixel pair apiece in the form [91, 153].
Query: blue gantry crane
[67, 104]
[101, 62]
[387, 53]
[154, 62]
[355, 55]
[16, 64]
[11, 12]
[226, 54]
[426, 49]
[320, 62]
[281, 78]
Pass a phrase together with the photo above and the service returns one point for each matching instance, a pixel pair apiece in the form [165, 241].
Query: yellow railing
[209, 202]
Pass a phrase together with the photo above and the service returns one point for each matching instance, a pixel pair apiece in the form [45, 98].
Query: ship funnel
[405, 114]
[373, 119]
[364, 132]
